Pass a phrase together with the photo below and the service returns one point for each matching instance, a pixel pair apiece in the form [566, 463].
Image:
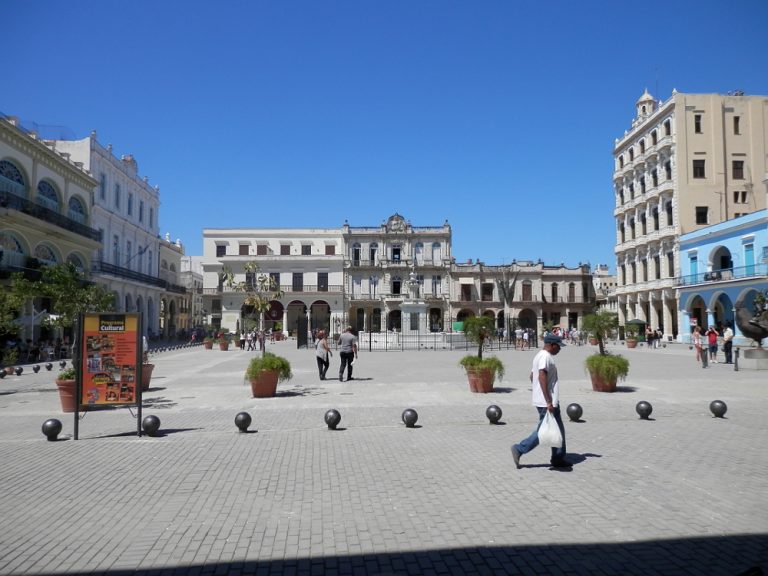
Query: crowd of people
[707, 342]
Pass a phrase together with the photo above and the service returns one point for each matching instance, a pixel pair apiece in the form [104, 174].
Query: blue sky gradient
[499, 116]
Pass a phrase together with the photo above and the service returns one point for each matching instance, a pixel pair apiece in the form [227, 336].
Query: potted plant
[10, 358]
[237, 338]
[223, 342]
[630, 335]
[66, 384]
[208, 343]
[264, 372]
[481, 372]
[604, 368]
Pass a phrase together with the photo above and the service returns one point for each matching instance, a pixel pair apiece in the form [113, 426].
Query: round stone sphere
[63, 363]
[410, 416]
[332, 418]
[51, 429]
[574, 412]
[644, 409]
[19, 370]
[49, 366]
[718, 408]
[493, 413]
[2, 373]
[36, 368]
[150, 425]
[242, 421]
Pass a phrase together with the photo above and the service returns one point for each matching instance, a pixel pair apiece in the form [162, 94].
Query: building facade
[125, 211]
[684, 164]
[46, 215]
[174, 321]
[191, 277]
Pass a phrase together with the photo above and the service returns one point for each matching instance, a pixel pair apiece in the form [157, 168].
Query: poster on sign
[111, 359]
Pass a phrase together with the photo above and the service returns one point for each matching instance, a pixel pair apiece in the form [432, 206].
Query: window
[486, 292]
[642, 185]
[623, 278]
[298, 282]
[668, 210]
[373, 248]
[373, 285]
[554, 292]
[397, 284]
[103, 186]
[632, 228]
[698, 169]
[645, 270]
[150, 269]
[130, 204]
[631, 190]
[330, 249]
[396, 253]
[141, 210]
[356, 254]
[740, 197]
[668, 170]
[654, 138]
[697, 123]
[736, 127]
[437, 282]
[418, 252]
[151, 222]
[631, 154]
[285, 249]
[621, 161]
[643, 223]
[322, 281]
[621, 196]
[128, 250]
[221, 250]
[243, 250]
[306, 249]
[527, 291]
[261, 250]
[634, 272]
[274, 280]
[116, 250]
[622, 233]
[466, 292]
[667, 128]
[738, 169]
[655, 177]
[657, 267]
[117, 196]
[702, 214]
[655, 214]
[436, 252]
[642, 146]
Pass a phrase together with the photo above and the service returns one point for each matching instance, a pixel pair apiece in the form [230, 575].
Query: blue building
[720, 264]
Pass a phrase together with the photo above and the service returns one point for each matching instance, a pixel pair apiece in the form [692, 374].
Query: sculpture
[753, 323]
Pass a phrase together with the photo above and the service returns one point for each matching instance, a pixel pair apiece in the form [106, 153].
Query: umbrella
[637, 322]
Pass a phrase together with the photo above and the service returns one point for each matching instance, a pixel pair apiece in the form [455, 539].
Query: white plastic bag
[549, 432]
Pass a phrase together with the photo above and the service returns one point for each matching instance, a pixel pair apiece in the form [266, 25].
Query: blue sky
[499, 116]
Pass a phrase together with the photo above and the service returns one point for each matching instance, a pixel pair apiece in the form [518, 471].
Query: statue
[753, 323]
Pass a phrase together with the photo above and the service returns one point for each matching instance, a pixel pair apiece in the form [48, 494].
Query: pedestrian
[545, 396]
[526, 339]
[728, 343]
[249, 339]
[322, 352]
[649, 336]
[712, 343]
[698, 341]
[347, 353]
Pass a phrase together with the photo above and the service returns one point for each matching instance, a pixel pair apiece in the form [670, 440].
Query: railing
[312, 288]
[723, 275]
[392, 296]
[10, 200]
[106, 268]
[396, 341]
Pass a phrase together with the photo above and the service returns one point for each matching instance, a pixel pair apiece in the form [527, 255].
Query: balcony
[311, 288]
[14, 202]
[724, 275]
[106, 268]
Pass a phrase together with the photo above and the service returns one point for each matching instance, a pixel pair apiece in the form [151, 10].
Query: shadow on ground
[743, 555]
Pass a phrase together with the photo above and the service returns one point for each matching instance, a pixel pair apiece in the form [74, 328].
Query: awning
[466, 280]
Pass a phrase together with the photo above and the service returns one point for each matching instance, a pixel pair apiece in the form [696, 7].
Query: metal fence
[395, 342]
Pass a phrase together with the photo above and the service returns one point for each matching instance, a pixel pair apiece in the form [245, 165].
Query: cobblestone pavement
[682, 493]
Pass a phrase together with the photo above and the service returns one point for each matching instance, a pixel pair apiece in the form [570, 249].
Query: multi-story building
[46, 214]
[378, 261]
[306, 263]
[604, 284]
[174, 303]
[125, 212]
[536, 294]
[685, 163]
[191, 277]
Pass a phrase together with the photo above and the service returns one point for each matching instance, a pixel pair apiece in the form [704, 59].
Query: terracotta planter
[631, 343]
[480, 381]
[146, 375]
[224, 346]
[208, 345]
[593, 341]
[67, 391]
[601, 385]
[265, 386]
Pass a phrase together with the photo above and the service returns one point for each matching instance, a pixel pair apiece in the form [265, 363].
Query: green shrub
[67, 374]
[609, 367]
[491, 363]
[269, 361]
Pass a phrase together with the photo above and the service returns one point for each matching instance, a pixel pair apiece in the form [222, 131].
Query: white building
[125, 211]
[684, 164]
[191, 277]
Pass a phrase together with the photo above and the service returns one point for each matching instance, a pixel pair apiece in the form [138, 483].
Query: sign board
[110, 359]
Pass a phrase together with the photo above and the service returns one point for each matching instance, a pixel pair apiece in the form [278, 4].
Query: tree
[600, 325]
[259, 289]
[478, 329]
[506, 287]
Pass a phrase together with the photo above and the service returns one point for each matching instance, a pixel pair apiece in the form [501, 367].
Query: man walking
[728, 343]
[545, 394]
[347, 353]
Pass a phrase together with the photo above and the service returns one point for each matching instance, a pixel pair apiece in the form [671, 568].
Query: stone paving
[682, 493]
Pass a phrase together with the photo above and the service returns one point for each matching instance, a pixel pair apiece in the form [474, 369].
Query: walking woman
[322, 352]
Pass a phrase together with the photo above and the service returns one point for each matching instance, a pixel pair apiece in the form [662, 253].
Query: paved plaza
[682, 493]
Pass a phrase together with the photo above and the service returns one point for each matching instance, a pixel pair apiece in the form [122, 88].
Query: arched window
[418, 253]
[527, 291]
[667, 128]
[355, 255]
[554, 292]
[172, 267]
[13, 252]
[76, 261]
[11, 179]
[397, 285]
[47, 196]
[373, 248]
[164, 265]
[436, 252]
[45, 255]
[571, 292]
[76, 210]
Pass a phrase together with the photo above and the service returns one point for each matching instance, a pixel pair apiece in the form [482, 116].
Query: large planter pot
[631, 343]
[146, 375]
[224, 346]
[208, 345]
[600, 384]
[265, 386]
[480, 380]
[67, 392]
[593, 341]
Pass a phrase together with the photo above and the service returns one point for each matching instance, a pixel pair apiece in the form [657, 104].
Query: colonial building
[46, 214]
[684, 164]
[192, 279]
[125, 212]
[174, 301]
[378, 261]
[526, 294]
[306, 263]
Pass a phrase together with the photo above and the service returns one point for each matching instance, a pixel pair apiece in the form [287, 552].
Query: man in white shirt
[728, 343]
[545, 396]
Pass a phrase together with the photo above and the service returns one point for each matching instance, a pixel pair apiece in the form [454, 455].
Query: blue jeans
[533, 440]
